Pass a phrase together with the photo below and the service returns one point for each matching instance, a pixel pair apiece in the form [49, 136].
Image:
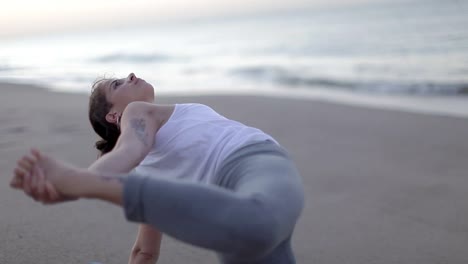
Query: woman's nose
[131, 77]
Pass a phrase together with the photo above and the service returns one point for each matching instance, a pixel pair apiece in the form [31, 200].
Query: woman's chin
[151, 91]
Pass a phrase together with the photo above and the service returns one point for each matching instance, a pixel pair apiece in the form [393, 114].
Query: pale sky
[23, 17]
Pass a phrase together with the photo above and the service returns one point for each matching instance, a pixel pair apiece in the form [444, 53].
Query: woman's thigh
[273, 181]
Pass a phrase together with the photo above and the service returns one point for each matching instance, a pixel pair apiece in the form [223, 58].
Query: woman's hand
[30, 176]
[147, 245]
[141, 256]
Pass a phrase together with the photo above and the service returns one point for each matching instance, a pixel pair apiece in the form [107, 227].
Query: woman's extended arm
[46, 174]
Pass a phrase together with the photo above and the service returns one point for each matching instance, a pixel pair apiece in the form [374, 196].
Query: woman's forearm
[93, 185]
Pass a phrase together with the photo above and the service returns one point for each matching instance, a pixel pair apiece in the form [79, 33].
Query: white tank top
[193, 143]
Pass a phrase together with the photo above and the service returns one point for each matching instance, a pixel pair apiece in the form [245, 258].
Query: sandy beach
[382, 186]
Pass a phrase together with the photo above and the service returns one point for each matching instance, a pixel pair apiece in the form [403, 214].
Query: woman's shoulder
[150, 114]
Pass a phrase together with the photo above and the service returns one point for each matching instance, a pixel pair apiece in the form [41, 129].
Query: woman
[198, 177]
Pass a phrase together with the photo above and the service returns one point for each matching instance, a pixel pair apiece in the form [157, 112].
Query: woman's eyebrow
[111, 84]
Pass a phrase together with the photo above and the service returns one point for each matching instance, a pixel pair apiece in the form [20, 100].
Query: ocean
[406, 48]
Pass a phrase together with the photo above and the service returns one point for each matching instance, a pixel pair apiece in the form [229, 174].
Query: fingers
[23, 172]
[24, 166]
[27, 183]
[27, 162]
[52, 193]
[17, 181]
[45, 191]
[39, 190]
[37, 187]
[30, 182]
[30, 177]
[36, 154]
[20, 172]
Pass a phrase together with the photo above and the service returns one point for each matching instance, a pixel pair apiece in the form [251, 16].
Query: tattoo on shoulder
[139, 126]
[119, 178]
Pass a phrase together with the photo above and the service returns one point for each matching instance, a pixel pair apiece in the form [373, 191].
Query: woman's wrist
[99, 186]
[82, 183]
[73, 184]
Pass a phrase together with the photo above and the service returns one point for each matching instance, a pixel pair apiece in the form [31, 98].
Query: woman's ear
[113, 118]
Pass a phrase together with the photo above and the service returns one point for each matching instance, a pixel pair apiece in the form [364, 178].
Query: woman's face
[121, 92]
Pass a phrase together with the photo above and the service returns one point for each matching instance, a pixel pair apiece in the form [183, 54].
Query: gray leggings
[248, 216]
